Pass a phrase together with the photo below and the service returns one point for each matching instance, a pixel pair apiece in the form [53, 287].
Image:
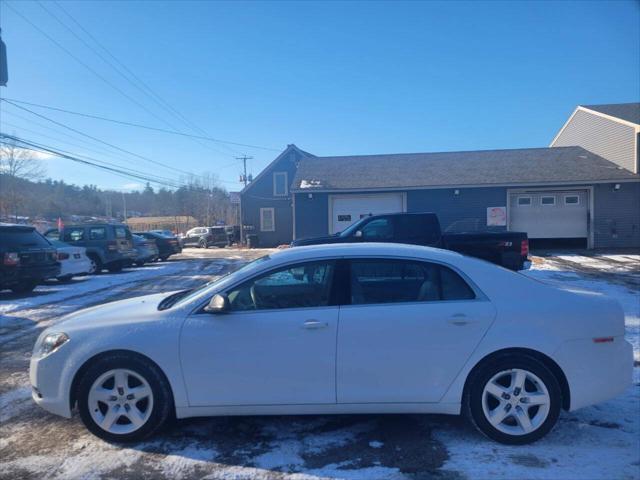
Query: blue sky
[334, 78]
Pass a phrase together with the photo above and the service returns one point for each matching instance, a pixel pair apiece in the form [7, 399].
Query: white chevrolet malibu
[334, 329]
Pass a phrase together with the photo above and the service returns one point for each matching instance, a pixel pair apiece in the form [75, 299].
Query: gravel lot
[596, 442]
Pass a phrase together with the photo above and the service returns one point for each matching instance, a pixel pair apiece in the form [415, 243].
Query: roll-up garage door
[347, 209]
[550, 214]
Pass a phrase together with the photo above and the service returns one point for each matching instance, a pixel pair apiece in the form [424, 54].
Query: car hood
[122, 312]
[318, 240]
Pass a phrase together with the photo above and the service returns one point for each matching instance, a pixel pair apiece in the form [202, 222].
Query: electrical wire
[138, 125]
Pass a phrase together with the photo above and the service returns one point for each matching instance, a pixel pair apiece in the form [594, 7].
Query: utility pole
[124, 207]
[244, 180]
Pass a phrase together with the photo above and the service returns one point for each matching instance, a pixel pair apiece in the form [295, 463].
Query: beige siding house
[611, 131]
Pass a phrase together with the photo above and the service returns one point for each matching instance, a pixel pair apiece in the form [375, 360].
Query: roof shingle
[487, 167]
[624, 111]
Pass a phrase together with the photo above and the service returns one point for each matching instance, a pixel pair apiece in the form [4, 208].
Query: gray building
[557, 193]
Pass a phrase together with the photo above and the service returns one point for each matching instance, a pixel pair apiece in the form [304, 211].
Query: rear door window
[97, 233]
[378, 281]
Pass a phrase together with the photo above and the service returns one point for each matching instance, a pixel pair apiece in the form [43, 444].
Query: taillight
[112, 245]
[63, 256]
[11, 259]
[524, 248]
[603, 340]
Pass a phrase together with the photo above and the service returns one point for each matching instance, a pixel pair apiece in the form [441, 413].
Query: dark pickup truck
[509, 249]
[26, 258]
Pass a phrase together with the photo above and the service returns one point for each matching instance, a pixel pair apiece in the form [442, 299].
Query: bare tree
[16, 165]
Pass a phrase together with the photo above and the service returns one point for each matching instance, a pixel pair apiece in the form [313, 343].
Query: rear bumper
[596, 372]
[16, 275]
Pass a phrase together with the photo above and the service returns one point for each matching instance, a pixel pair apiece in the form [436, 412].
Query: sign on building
[496, 216]
[234, 197]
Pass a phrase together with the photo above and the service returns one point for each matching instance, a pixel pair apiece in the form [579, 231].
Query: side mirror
[358, 234]
[219, 303]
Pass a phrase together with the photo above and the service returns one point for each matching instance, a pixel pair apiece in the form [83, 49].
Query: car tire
[96, 265]
[65, 279]
[115, 268]
[138, 264]
[24, 287]
[513, 399]
[104, 400]
[202, 244]
[163, 258]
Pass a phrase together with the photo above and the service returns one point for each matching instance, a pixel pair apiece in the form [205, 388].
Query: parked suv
[109, 245]
[204, 237]
[27, 258]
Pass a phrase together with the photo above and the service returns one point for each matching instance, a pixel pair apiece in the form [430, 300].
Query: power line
[138, 125]
[85, 65]
[100, 141]
[56, 152]
[149, 91]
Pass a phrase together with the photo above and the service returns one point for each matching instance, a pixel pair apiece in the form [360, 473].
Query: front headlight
[51, 343]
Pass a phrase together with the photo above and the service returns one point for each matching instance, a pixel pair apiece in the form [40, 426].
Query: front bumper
[49, 383]
[596, 372]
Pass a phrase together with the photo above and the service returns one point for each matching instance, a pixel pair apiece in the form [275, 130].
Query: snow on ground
[599, 442]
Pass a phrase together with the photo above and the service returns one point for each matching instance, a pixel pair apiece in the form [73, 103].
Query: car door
[276, 344]
[379, 229]
[409, 329]
[192, 236]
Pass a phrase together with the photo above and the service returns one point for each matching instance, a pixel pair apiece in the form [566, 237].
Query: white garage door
[550, 214]
[347, 209]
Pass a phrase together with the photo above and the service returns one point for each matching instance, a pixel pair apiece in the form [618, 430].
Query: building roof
[473, 168]
[629, 112]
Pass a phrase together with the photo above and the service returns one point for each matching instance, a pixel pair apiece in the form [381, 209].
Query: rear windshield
[22, 238]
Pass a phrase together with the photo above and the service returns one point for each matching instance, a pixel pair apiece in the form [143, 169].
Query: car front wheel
[514, 399]
[124, 398]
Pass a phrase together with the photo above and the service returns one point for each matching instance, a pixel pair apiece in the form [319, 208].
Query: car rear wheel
[124, 398]
[514, 399]
[202, 243]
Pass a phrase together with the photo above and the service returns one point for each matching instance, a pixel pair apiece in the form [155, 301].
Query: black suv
[27, 258]
[204, 237]
[109, 245]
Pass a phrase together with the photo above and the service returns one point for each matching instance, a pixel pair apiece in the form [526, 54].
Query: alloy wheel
[516, 401]
[120, 401]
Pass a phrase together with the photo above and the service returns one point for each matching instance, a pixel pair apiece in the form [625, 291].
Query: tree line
[24, 192]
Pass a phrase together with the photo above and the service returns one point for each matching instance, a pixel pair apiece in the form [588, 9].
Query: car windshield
[186, 296]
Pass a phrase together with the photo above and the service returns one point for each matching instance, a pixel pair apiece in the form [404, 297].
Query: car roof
[96, 224]
[368, 249]
[16, 226]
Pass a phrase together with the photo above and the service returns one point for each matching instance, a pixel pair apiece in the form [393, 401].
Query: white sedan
[331, 329]
[73, 261]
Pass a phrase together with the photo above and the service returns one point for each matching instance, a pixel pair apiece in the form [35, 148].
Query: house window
[280, 184]
[572, 200]
[548, 200]
[267, 220]
[524, 201]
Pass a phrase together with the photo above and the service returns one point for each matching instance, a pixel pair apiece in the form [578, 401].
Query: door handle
[314, 324]
[459, 319]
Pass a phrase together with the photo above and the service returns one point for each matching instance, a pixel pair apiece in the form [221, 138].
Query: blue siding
[260, 195]
[616, 215]
[466, 211]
